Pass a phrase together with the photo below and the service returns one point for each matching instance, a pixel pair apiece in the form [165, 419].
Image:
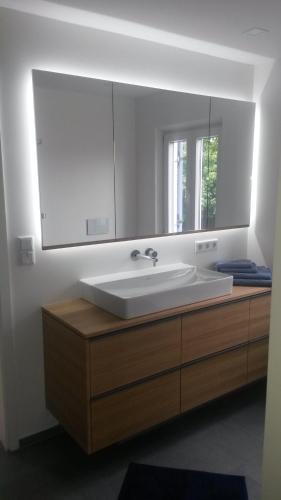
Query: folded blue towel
[252, 282]
[231, 270]
[252, 276]
[262, 273]
[236, 264]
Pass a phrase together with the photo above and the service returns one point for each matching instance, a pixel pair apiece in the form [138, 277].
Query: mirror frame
[143, 237]
[162, 235]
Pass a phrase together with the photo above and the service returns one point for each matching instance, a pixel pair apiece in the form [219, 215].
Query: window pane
[179, 193]
[209, 167]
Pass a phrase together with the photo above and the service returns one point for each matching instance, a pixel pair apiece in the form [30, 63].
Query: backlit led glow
[254, 179]
[32, 150]
[30, 139]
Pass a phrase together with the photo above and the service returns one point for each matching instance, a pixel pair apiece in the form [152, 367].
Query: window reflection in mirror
[208, 149]
[191, 170]
[178, 186]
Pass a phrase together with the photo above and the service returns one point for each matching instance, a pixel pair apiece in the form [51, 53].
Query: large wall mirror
[119, 161]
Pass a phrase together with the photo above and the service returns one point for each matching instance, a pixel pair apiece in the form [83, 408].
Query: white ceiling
[217, 21]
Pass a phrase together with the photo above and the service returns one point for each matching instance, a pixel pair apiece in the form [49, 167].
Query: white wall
[261, 234]
[2, 418]
[8, 370]
[265, 226]
[261, 237]
[28, 43]
[272, 443]
[2, 237]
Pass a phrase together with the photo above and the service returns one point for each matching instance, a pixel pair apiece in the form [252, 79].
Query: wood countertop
[89, 321]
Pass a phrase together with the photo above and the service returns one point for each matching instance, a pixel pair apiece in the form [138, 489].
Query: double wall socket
[206, 245]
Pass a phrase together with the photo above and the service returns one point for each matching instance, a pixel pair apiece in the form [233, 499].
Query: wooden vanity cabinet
[259, 317]
[129, 411]
[108, 379]
[206, 380]
[214, 330]
[258, 337]
[67, 379]
[134, 354]
[257, 360]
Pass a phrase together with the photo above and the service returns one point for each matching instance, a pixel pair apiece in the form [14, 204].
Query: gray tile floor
[225, 436]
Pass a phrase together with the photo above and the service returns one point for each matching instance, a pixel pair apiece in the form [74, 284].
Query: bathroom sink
[136, 293]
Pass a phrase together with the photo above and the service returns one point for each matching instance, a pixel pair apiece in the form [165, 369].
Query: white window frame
[193, 137]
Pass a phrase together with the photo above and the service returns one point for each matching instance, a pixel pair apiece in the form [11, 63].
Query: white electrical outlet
[206, 245]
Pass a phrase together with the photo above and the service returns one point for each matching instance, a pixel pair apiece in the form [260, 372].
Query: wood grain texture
[209, 379]
[259, 317]
[83, 358]
[211, 331]
[130, 411]
[137, 353]
[88, 320]
[67, 380]
[257, 360]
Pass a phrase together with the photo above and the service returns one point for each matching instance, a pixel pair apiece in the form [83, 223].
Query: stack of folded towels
[246, 272]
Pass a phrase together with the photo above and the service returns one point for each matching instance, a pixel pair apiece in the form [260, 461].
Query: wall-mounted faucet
[149, 254]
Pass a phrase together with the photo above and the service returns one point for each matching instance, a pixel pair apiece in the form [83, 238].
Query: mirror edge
[118, 240]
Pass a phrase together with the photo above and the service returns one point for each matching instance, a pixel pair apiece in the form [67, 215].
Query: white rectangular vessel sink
[137, 293]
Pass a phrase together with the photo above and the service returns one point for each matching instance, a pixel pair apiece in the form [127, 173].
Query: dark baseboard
[41, 436]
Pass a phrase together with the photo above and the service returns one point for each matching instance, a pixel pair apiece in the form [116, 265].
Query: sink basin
[137, 293]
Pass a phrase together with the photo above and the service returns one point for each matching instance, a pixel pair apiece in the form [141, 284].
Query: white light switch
[26, 243]
[26, 250]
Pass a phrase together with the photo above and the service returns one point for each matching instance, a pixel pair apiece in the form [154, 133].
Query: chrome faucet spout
[149, 254]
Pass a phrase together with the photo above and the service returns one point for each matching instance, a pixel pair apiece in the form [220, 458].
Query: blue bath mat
[147, 482]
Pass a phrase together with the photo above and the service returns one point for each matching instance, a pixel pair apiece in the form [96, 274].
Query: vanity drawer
[257, 360]
[130, 411]
[133, 354]
[213, 377]
[214, 330]
[259, 317]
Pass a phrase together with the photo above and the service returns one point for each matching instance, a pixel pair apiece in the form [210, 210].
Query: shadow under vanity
[108, 379]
